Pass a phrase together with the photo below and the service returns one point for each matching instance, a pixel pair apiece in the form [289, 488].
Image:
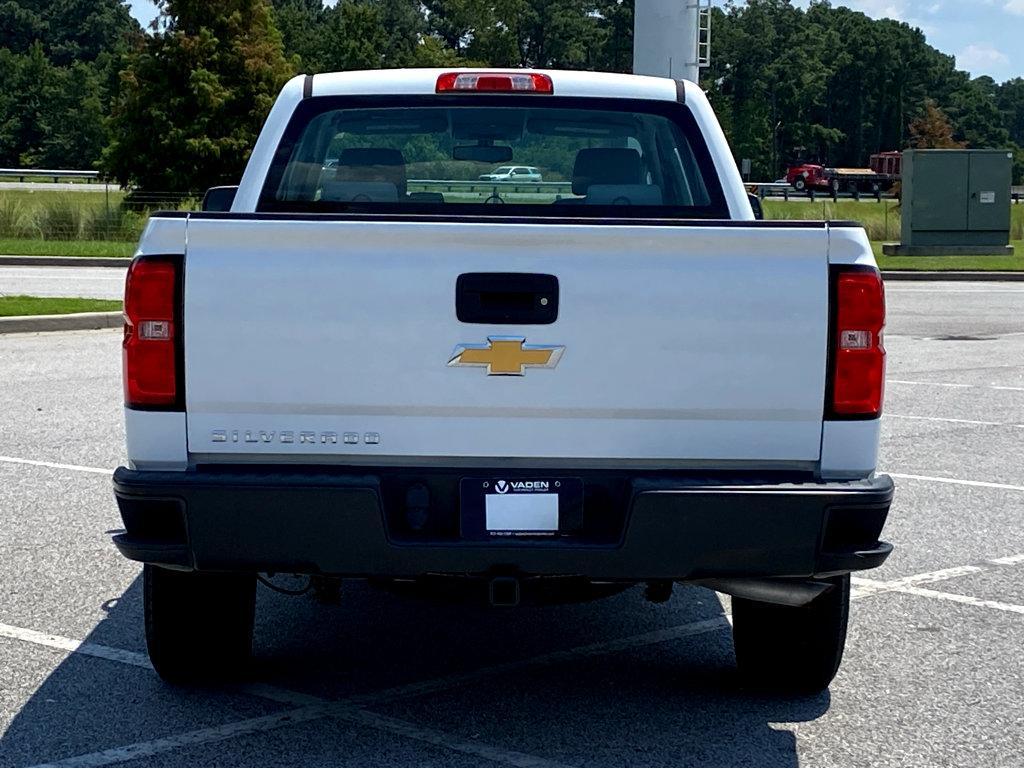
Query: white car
[639, 384]
[513, 174]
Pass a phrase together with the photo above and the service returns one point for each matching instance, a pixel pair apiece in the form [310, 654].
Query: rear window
[506, 155]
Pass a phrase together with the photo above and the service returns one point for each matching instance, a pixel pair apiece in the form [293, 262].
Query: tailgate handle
[519, 298]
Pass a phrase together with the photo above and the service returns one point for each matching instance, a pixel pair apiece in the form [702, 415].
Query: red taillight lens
[151, 333]
[495, 82]
[858, 354]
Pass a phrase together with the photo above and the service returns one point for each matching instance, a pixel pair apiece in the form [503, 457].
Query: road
[59, 187]
[87, 282]
[932, 675]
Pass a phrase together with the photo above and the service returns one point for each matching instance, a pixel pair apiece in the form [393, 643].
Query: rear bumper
[679, 529]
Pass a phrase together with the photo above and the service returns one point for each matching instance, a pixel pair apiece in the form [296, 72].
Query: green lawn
[36, 247]
[1013, 263]
[34, 305]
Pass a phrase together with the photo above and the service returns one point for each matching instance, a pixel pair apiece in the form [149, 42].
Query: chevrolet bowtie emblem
[506, 355]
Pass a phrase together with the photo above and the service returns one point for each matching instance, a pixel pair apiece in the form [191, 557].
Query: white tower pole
[670, 38]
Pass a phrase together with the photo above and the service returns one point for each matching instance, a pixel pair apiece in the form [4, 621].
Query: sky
[986, 36]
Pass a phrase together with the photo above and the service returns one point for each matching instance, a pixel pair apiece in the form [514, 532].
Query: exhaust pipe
[783, 592]
[504, 591]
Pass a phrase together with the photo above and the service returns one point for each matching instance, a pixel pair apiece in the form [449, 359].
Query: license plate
[521, 507]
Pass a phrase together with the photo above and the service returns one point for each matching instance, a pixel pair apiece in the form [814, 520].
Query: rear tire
[794, 650]
[198, 625]
[799, 185]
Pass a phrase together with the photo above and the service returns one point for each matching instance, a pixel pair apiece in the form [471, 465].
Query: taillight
[495, 82]
[858, 356]
[152, 333]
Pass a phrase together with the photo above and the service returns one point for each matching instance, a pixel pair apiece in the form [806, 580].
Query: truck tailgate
[323, 339]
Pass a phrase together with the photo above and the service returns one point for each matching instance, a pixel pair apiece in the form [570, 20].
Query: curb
[960, 275]
[65, 261]
[79, 321]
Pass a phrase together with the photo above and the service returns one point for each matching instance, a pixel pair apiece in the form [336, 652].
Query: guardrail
[786, 192]
[21, 174]
[446, 185]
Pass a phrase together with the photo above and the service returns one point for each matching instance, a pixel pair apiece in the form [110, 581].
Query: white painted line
[939, 575]
[953, 290]
[312, 707]
[1010, 560]
[958, 482]
[953, 421]
[569, 655]
[57, 466]
[442, 740]
[123, 656]
[342, 709]
[953, 385]
[929, 384]
[962, 599]
[139, 750]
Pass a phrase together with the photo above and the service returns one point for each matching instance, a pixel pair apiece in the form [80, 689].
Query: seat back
[373, 164]
[606, 165]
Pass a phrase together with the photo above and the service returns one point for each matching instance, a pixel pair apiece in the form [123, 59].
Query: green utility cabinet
[955, 202]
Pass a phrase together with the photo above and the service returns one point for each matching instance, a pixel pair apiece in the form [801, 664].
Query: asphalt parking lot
[932, 674]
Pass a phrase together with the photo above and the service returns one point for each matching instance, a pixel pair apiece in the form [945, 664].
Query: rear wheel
[198, 625]
[799, 184]
[792, 649]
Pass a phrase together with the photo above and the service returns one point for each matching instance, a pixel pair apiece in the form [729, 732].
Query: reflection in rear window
[515, 155]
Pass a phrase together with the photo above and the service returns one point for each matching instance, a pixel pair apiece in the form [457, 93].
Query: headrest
[372, 164]
[606, 165]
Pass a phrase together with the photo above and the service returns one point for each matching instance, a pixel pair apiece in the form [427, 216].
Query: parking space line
[957, 482]
[953, 385]
[139, 750]
[944, 290]
[964, 599]
[442, 739]
[123, 656]
[57, 466]
[1010, 560]
[352, 709]
[930, 384]
[953, 421]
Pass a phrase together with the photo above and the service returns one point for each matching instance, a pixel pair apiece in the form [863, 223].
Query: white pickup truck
[352, 374]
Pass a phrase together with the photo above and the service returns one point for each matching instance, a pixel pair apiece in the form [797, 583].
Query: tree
[353, 37]
[69, 30]
[932, 130]
[50, 117]
[193, 100]
[299, 22]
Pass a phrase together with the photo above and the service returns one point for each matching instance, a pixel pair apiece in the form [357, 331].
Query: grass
[1013, 263]
[71, 217]
[34, 305]
[48, 223]
[880, 220]
[37, 247]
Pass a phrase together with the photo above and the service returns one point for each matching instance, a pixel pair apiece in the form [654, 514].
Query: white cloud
[981, 57]
[1015, 7]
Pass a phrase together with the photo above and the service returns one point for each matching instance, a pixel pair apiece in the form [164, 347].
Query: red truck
[881, 176]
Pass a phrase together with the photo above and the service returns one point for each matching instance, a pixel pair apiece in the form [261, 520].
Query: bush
[13, 220]
[60, 219]
[118, 223]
